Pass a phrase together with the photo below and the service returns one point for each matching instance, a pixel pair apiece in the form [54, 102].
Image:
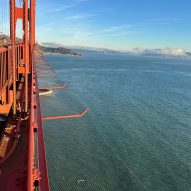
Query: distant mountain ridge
[5, 40]
[176, 52]
[57, 50]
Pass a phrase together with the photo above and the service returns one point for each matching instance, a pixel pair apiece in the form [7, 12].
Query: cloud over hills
[164, 51]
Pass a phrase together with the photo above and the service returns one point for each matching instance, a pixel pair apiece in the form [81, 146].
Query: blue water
[137, 134]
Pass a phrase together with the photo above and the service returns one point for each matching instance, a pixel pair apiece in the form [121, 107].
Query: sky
[115, 24]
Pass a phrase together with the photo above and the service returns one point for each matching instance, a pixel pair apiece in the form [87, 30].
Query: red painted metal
[26, 48]
[44, 75]
[17, 67]
[19, 99]
[36, 128]
[32, 22]
[42, 164]
[13, 36]
[54, 87]
[45, 67]
[66, 116]
[8, 76]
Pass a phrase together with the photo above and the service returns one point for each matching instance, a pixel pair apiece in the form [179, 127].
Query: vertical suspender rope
[2, 16]
[1, 13]
[26, 51]
[12, 31]
[6, 17]
[5, 12]
[3, 19]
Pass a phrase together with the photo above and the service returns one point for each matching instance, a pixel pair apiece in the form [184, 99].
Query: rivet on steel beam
[36, 177]
[35, 125]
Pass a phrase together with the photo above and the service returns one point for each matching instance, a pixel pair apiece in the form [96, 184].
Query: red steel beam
[13, 36]
[31, 155]
[11, 59]
[49, 74]
[36, 175]
[67, 116]
[54, 87]
[26, 48]
[44, 183]
[32, 22]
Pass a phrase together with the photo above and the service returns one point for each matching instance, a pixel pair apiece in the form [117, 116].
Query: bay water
[137, 133]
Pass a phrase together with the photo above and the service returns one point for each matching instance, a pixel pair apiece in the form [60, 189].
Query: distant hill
[164, 52]
[5, 40]
[58, 50]
[77, 48]
[188, 53]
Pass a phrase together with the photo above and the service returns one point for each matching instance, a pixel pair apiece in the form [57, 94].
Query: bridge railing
[6, 70]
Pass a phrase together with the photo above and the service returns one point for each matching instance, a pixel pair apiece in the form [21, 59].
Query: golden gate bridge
[23, 164]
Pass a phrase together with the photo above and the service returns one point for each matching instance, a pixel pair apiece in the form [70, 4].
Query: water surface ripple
[137, 134]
